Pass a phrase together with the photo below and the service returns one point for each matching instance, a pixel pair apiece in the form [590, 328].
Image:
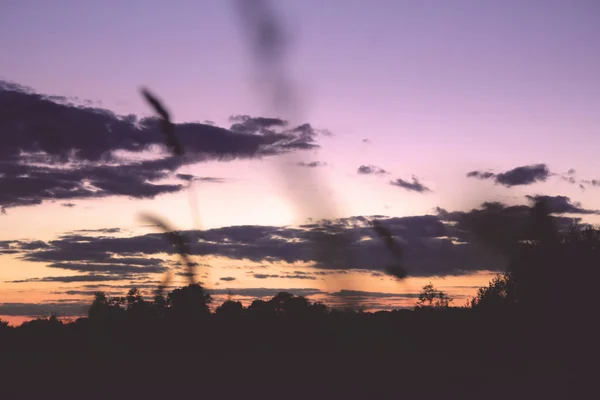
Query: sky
[417, 111]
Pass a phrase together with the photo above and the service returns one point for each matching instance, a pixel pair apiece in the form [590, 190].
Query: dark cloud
[263, 292]
[18, 246]
[186, 274]
[44, 309]
[593, 182]
[27, 184]
[562, 205]
[301, 276]
[188, 177]
[427, 250]
[33, 123]
[90, 292]
[481, 175]
[569, 177]
[324, 273]
[124, 270]
[61, 151]
[448, 243]
[69, 253]
[227, 278]
[312, 164]
[141, 286]
[70, 279]
[371, 170]
[33, 245]
[9, 247]
[357, 294]
[97, 265]
[251, 125]
[8, 251]
[101, 230]
[525, 175]
[414, 186]
[275, 132]
[264, 276]
[496, 225]
[69, 205]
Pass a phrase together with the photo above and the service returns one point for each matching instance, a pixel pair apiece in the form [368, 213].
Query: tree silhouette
[230, 310]
[104, 308]
[281, 302]
[499, 294]
[138, 309]
[189, 303]
[261, 309]
[430, 297]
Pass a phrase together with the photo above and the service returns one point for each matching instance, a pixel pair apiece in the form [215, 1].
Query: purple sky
[439, 88]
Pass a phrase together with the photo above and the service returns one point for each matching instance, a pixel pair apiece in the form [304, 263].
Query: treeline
[182, 321]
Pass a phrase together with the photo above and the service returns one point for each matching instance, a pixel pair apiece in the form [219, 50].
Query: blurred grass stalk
[176, 238]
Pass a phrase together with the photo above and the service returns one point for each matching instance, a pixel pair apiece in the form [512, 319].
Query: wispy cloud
[312, 164]
[371, 170]
[414, 186]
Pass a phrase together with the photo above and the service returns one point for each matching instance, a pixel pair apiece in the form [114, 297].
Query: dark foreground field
[498, 368]
[281, 375]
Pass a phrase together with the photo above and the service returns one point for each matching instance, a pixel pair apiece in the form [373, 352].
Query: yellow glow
[274, 208]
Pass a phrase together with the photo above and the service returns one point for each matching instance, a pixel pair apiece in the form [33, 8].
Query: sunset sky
[416, 109]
